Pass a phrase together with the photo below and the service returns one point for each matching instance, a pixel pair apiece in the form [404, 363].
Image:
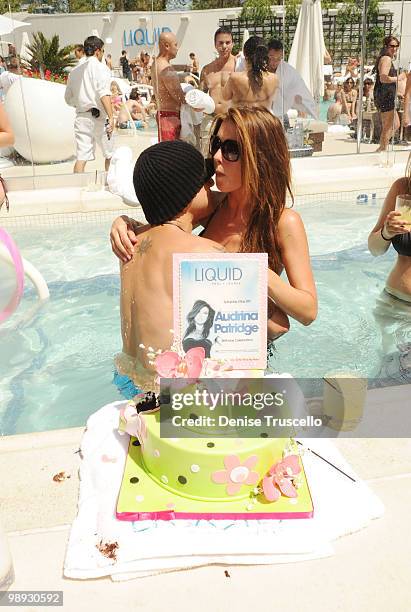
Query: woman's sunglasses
[230, 149]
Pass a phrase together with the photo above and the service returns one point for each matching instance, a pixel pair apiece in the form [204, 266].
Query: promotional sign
[220, 304]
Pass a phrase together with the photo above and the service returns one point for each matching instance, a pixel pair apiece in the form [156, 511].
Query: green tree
[80, 6]
[203, 5]
[139, 5]
[9, 5]
[256, 10]
[46, 54]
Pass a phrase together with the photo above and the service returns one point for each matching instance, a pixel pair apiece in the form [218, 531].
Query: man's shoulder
[209, 68]
[205, 245]
[79, 68]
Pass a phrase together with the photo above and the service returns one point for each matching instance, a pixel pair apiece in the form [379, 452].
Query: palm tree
[46, 55]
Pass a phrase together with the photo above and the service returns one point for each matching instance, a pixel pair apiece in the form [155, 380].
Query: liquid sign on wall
[143, 36]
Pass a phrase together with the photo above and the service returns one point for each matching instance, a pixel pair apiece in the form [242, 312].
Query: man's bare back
[241, 92]
[147, 287]
[164, 78]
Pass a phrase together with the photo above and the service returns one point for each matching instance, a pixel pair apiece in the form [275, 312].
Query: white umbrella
[307, 51]
[24, 49]
[246, 36]
[7, 25]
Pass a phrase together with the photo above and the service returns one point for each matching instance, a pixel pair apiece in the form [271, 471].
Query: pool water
[56, 363]
[324, 106]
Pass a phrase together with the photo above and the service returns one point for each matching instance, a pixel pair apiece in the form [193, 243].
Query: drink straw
[326, 461]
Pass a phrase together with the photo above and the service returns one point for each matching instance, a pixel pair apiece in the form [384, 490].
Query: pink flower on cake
[133, 423]
[280, 479]
[236, 473]
[171, 365]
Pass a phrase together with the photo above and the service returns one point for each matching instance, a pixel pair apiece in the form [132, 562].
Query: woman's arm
[345, 109]
[278, 323]
[353, 103]
[298, 299]
[6, 132]
[123, 237]
[123, 230]
[384, 67]
[388, 221]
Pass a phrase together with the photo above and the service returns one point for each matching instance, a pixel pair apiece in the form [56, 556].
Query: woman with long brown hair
[349, 100]
[385, 89]
[252, 169]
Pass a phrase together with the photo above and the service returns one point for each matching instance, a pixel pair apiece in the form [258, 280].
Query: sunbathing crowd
[385, 96]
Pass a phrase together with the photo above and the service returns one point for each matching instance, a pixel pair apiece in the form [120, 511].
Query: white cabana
[24, 49]
[307, 51]
[246, 36]
[7, 25]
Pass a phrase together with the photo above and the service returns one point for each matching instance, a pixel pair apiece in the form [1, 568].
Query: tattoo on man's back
[144, 245]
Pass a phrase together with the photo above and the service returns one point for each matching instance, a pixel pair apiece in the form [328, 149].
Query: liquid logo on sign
[143, 36]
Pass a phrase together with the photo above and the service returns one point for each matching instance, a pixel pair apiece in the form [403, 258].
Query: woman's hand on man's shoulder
[123, 237]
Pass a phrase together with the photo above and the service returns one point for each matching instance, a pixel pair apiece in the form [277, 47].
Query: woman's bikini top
[210, 218]
[402, 244]
[189, 343]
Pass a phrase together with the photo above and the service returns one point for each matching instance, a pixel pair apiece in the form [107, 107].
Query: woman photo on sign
[200, 320]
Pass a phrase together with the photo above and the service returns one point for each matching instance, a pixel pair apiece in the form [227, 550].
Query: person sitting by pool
[200, 320]
[349, 97]
[334, 110]
[256, 86]
[6, 140]
[151, 109]
[393, 307]
[351, 69]
[252, 217]
[133, 108]
[116, 97]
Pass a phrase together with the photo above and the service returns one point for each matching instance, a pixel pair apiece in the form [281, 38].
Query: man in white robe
[292, 92]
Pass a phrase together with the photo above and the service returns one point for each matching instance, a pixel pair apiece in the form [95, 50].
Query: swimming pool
[56, 368]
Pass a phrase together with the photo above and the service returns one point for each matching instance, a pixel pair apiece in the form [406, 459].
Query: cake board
[143, 497]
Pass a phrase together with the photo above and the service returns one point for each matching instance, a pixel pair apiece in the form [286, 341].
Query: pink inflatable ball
[48, 135]
[11, 276]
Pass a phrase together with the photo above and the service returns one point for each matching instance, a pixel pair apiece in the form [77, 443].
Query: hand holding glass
[403, 206]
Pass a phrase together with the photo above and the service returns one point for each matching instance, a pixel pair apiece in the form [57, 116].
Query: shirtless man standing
[216, 74]
[167, 89]
[171, 184]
